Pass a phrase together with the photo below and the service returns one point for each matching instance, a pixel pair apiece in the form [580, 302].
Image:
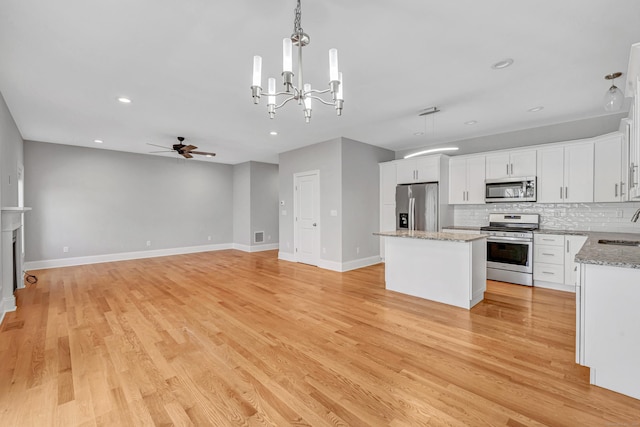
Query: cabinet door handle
[546, 254]
[567, 246]
[561, 192]
[511, 168]
[548, 240]
[507, 165]
[548, 272]
[621, 184]
[566, 192]
[616, 192]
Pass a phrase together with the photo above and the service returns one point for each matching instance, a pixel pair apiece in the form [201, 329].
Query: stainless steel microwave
[522, 189]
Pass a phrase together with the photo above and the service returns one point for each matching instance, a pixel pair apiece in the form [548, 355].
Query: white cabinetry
[634, 142]
[565, 173]
[609, 180]
[518, 163]
[466, 180]
[420, 169]
[553, 260]
[607, 339]
[387, 200]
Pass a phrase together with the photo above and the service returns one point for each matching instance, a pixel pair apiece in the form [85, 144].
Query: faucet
[635, 216]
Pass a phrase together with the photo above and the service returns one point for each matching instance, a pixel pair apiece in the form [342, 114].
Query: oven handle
[508, 239]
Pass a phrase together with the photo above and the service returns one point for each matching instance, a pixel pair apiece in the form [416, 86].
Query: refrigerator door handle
[412, 214]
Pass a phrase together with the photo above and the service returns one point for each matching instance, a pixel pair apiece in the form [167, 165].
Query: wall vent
[258, 237]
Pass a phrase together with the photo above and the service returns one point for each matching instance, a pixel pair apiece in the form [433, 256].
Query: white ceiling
[187, 67]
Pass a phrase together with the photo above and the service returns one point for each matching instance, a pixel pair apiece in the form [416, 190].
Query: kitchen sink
[620, 242]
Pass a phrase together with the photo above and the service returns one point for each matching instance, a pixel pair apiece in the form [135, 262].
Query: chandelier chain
[297, 22]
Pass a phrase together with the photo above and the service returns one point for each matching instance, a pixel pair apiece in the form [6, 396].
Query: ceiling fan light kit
[614, 97]
[302, 93]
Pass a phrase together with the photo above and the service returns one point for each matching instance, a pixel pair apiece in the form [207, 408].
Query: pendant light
[614, 98]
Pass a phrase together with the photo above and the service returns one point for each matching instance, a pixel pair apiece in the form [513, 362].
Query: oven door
[510, 253]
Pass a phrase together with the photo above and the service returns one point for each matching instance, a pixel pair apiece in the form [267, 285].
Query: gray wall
[349, 184]
[264, 202]
[242, 204]
[103, 202]
[11, 153]
[568, 131]
[361, 198]
[325, 157]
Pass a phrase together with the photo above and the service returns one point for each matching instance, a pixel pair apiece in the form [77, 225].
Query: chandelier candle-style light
[303, 92]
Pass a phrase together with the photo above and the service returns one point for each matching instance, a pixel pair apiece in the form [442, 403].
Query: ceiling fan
[185, 151]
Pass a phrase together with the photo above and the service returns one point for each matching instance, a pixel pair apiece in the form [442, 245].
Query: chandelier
[302, 93]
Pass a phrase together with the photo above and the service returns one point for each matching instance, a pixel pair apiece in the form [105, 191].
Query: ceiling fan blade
[161, 146]
[166, 151]
[203, 153]
[189, 148]
[187, 155]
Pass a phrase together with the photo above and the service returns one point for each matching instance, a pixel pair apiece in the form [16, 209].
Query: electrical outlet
[65, 249]
[357, 249]
[284, 212]
[269, 237]
[148, 243]
[209, 238]
[324, 250]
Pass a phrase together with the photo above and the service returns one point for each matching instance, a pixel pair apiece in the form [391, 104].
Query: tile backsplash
[613, 217]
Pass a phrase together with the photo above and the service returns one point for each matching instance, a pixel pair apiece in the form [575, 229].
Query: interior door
[307, 217]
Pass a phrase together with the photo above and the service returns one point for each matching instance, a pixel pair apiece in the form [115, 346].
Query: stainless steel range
[510, 247]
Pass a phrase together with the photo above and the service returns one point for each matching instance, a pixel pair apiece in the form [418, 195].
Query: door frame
[296, 202]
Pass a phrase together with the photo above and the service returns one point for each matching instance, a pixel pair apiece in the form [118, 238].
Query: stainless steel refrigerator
[417, 207]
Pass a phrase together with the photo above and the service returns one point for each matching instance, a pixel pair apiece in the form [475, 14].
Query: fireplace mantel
[11, 221]
[12, 217]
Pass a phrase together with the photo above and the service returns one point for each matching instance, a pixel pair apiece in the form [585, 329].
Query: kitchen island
[607, 301]
[444, 267]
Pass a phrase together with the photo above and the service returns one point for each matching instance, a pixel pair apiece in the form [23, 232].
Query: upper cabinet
[466, 180]
[388, 183]
[517, 163]
[565, 173]
[610, 177]
[420, 169]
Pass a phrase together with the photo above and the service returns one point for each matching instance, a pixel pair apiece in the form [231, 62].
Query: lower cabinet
[553, 260]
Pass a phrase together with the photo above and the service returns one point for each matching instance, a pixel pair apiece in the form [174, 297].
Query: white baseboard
[360, 263]
[7, 305]
[123, 256]
[554, 286]
[256, 248]
[286, 256]
[341, 267]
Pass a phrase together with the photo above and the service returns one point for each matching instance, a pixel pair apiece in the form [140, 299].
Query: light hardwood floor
[231, 338]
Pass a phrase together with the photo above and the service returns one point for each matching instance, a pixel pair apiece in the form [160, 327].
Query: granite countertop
[462, 227]
[432, 235]
[596, 253]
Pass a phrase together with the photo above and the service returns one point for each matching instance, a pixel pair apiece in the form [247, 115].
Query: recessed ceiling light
[208, 155]
[433, 150]
[502, 64]
[418, 133]
[273, 133]
[535, 109]
[471, 122]
[124, 100]
[98, 141]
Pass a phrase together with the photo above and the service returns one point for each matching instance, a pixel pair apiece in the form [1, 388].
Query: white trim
[256, 248]
[123, 256]
[360, 263]
[349, 265]
[7, 305]
[286, 256]
[556, 286]
[330, 265]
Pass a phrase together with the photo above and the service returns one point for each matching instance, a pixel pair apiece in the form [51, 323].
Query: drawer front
[548, 254]
[548, 272]
[548, 239]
